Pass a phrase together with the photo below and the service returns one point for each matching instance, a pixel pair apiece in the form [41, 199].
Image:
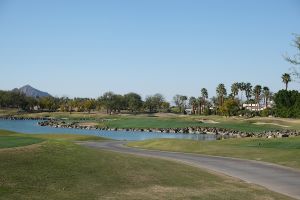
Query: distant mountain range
[32, 92]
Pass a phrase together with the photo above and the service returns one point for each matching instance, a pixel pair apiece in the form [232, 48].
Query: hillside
[32, 92]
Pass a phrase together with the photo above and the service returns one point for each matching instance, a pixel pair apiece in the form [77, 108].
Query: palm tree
[242, 87]
[248, 90]
[193, 103]
[286, 78]
[257, 92]
[199, 103]
[235, 89]
[204, 95]
[221, 92]
[183, 103]
[214, 104]
[266, 93]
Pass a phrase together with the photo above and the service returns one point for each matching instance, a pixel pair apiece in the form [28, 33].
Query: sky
[85, 48]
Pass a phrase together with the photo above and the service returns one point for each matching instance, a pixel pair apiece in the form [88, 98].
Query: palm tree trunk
[200, 105]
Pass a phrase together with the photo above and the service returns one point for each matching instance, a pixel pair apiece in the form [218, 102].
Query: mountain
[32, 92]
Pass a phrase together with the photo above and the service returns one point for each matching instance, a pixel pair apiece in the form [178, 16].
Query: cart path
[274, 177]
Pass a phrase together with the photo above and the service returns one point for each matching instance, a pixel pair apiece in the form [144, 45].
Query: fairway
[150, 122]
[60, 169]
[283, 151]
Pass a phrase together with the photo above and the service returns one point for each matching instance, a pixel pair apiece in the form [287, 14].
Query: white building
[256, 106]
[189, 111]
[252, 106]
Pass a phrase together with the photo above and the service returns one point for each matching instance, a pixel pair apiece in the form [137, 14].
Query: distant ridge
[32, 92]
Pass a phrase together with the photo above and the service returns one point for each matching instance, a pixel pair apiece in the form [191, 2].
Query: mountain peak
[30, 91]
[29, 86]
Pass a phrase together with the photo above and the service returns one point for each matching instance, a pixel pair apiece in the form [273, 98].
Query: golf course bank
[220, 133]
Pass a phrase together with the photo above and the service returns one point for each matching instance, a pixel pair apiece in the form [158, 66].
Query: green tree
[154, 103]
[221, 93]
[242, 87]
[64, 104]
[193, 104]
[204, 93]
[230, 107]
[235, 89]
[89, 104]
[202, 100]
[76, 104]
[49, 103]
[257, 93]
[286, 78]
[165, 106]
[133, 101]
[180, 102]
[106, 100]
[177, 102]
[266, 93]
[248, 91]
[287, 104]
[183, 100]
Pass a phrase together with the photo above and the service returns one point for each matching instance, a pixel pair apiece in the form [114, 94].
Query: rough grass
[283, 151]
[59, 169]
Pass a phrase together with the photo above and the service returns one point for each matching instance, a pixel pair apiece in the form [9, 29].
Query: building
[252, 106]
[256, 106]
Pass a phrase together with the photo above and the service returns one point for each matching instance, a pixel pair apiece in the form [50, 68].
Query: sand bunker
[88, 124]
[208, 121]
[265, 123]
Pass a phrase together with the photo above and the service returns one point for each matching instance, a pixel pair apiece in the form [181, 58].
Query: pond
[31, 127]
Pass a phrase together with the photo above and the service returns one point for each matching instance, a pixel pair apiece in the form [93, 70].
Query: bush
[287, 104]
[266, 112]
[230, 107]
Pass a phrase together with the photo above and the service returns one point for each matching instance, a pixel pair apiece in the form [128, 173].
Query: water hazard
[31, 127]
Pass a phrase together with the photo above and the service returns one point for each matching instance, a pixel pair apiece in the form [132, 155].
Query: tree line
[226, 102]
[230, 102]
[109, 101]
[133, 102]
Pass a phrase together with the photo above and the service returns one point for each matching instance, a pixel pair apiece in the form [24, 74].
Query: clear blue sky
[84, 48]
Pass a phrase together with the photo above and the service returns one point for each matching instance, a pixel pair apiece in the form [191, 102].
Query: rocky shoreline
[25, 118]
[220, 133]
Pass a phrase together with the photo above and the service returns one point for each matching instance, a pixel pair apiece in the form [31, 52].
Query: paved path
[274, 177]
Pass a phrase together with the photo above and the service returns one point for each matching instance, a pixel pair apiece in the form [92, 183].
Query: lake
[31, 127]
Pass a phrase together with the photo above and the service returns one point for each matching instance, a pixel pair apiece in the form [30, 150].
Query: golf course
[150, 100]
[52, 166]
